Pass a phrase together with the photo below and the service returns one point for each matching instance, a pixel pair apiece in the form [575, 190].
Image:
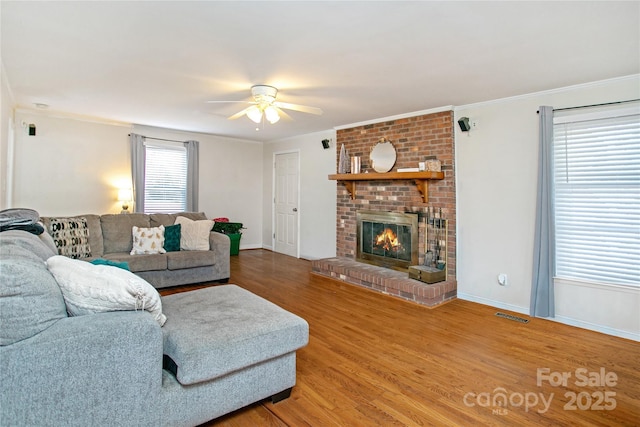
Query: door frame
[273, 199]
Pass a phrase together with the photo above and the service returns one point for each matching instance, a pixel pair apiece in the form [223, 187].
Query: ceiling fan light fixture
[255, 114]
[271, 114]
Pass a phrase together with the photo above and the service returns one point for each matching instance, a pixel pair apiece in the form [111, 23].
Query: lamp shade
[271, 114]
[125, 195]
[255, 114]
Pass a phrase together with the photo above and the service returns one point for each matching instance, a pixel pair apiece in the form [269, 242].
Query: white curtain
[542, 298]
[193, 173]
[138, 156]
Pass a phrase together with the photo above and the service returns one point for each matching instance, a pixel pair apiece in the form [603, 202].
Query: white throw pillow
[194, 235]
[148, 240]
[89, 288]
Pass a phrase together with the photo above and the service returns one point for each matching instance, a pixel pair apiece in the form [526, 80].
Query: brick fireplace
[415, 139]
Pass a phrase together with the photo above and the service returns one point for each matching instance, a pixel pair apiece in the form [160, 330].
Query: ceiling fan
[264, 104]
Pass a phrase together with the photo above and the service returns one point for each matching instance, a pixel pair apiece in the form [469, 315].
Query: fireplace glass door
[388, 239]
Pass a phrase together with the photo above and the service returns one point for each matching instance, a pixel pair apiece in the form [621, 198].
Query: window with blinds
[597, 196]
[165, 186]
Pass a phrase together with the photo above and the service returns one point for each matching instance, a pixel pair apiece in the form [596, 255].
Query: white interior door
[286, 203]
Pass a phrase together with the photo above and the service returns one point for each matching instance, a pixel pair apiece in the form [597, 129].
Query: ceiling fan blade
[221, 102]
[239, 114]
[282, 113]
[296, 107]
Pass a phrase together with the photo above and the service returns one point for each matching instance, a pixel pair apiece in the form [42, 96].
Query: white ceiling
[157, 63]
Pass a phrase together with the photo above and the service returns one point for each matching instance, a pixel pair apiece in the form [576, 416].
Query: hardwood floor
[376, 360]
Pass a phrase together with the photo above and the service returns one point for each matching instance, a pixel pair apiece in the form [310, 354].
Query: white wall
[6, 137]
[496, 168]
[317, 194]
[70, 166]
[74, 166]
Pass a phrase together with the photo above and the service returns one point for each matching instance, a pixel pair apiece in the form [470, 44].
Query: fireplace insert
[387, 239]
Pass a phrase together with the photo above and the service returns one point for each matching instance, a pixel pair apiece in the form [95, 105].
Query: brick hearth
[385, 280]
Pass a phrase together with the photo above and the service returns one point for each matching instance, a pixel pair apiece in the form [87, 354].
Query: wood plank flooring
[376, 360]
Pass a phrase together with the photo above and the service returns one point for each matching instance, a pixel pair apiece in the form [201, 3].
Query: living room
[74, 164]
[505, 143]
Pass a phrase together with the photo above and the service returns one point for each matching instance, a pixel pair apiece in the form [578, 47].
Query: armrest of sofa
[220, 244]
[98, 369]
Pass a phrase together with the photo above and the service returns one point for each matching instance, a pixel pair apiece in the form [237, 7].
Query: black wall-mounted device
[464, 124]
[325, 143]
[32, 130]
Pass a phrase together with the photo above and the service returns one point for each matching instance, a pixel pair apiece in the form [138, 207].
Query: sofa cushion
[89, 288]
[30, 299]
[116, 230]
[32, 243]
[48, 240]
[137, 263]
[71, 236]
[213, 331]
[147, 240]
[194, 235]
[95, 231]
[172, 238]
[157, 219]
[189, 259]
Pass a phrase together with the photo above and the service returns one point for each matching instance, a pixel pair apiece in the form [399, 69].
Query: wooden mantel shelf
[420, 178]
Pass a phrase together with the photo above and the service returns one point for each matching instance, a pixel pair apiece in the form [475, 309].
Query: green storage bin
[235, 243]
[231, 229]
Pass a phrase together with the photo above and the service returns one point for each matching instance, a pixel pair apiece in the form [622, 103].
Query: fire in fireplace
[388, 239]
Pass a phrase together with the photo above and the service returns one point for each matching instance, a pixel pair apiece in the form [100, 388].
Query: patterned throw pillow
[148, 240]
[172, 238]
[71, 236]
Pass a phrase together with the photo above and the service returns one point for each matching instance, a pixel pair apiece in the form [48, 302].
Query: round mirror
[383, 156]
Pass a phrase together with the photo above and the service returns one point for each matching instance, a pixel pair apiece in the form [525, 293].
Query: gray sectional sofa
[110, 238]
[220, 349]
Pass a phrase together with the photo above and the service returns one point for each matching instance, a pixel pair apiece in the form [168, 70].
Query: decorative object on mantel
[355, 164]
[383, 156]
[343, 162]
[433, 165]
[408, 170]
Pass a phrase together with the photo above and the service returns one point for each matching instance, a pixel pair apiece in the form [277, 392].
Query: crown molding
[397, 117]
[631, 77]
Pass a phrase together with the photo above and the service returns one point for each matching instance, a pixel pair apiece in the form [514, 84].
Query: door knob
[295, 209]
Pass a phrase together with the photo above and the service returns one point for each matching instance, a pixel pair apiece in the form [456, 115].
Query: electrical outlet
[502, 279]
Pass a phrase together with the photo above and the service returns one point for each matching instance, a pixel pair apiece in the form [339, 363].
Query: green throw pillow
[172, 238]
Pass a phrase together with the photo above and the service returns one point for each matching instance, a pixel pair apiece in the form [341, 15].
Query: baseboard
[492, 303]
[252, 246]
[597, 328]
[560, 319]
